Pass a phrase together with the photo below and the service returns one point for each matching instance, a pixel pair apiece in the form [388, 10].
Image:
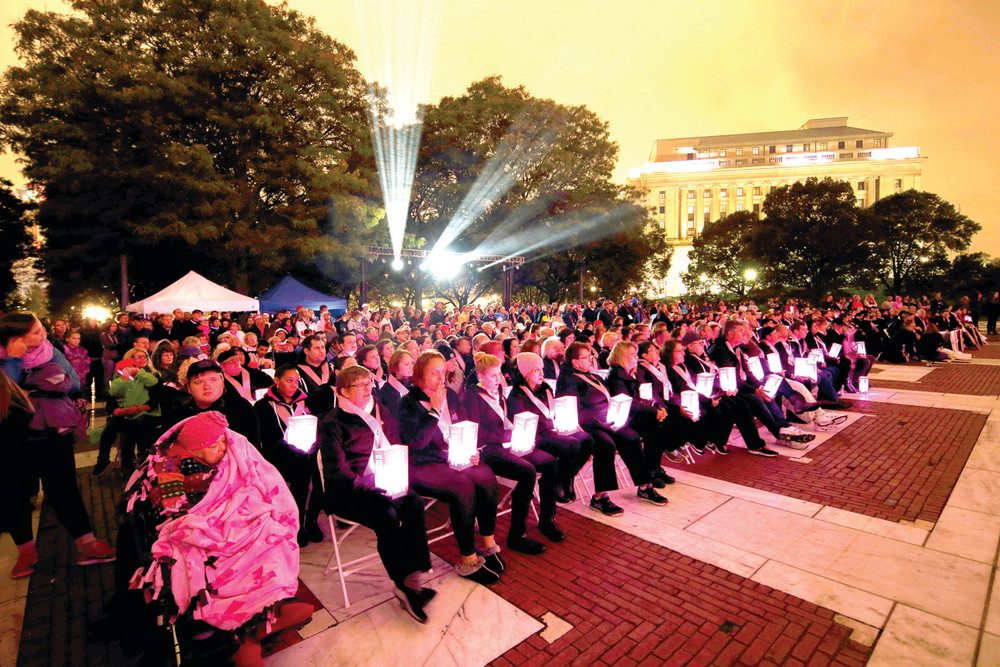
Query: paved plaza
[878, 545]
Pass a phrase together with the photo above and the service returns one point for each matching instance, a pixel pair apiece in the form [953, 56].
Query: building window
[723, 192]
[703, 154]
[865, 154]
[739, 192]
[739, 206]
[756, 190]
[708, 215]
[860, 203]
[805, 148]
[861, 186]
[722, 152]
[723, 211]
[774, 160]
[663, 223]
[663, 210]
[846, 156]
[690, 194]
[758, 160]
[756, 150]
[740, 163]
[822, 145]
[663, 195]
[878, 143]
[723, 163]
[706, 193]
[789, 148]
[690, 213]
[772, 149]
[840, 145]
[756, 210]
[859, 143]
[899, 183]
[739, 152]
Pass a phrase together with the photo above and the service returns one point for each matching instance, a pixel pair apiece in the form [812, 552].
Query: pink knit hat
[527, 361]
[201, 430]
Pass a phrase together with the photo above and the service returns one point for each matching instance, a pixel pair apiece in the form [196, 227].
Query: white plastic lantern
[704, 383]
[863, 384]
[603, 373]
[522, 440]
[300, 432]
[646, 391]
[861, 348]
[259, 393]
[774, 362]
[727, 379]
[689, 400]
[618, 410]
[816, 356]
[392, 471]
[551, 383]
[804, 368]
[772, 384]
[756, 368]
[269, 371]
[835, 350]
[462, 444]
[566, 419]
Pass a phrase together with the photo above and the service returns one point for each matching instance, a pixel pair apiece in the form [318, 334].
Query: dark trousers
[136, 435]
[734, 411]
[471, 496]
[572, 450]
[522, 469]
[767, 412]
[398, 525]
[302, 475]
[628, 444]
[47, 456]
[657, 437]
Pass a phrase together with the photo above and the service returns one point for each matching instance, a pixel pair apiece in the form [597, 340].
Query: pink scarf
[247, 523]
[35, 357]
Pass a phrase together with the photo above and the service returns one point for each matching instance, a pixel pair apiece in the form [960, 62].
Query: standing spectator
[992, 309]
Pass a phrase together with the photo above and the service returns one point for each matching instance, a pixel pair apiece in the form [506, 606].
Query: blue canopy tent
[290, 293]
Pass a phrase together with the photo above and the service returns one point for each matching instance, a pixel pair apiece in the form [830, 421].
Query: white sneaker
[792, 434]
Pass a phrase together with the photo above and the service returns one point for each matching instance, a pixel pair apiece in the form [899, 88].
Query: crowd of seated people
[376, 377]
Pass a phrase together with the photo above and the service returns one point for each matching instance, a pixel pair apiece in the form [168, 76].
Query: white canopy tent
[194, 291]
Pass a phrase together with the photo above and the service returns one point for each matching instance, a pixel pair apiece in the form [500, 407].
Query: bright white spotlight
[397, 264]
[447, 269]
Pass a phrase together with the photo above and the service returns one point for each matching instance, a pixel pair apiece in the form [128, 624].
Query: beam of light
[397, 39]
[526, 143]
[560, 233]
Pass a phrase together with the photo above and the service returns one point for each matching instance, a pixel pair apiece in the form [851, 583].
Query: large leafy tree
[14, 238]
[522, 171]
[205, 134]
[723, 254]
[908, 231]
[810, 239]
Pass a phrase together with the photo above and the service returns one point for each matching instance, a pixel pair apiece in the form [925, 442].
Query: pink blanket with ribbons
[234, 553]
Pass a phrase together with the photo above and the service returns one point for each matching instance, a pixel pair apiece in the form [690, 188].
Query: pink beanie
[527, 361]
[201, 430]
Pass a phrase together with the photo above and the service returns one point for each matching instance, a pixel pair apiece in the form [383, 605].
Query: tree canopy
[722, 254]
[14, 238]
[220, 131]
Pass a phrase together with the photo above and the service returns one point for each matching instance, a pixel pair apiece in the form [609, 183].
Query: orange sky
[928, 71]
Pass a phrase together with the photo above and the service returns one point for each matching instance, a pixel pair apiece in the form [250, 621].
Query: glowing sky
[927, 71]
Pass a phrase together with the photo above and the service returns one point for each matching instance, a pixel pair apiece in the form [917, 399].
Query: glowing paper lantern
[772, 384]
[603, 373]
[646, 391]
[861, 348]
[392, 470]
[689, 400]
[756, 368]
[259, 393]
[704, 383]
[804, 368]
[774, 362]
[551, 383]
[835, 350]
[863, 384]
[566, 419]
[462, 444]
[300, 432]
[816, 356]
[269, 371]
[522, 440]
[727, 379]
[666, 391]
[618, 410]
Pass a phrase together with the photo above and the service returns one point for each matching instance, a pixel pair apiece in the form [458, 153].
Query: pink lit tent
[194, 291]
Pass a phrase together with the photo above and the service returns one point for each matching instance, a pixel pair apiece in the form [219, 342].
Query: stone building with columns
[691, 181]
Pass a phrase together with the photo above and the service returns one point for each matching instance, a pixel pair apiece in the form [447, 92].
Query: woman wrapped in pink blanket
[226, 550]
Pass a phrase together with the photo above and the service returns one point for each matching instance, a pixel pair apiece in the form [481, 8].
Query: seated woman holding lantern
[593, 402]
[348, 436]
[397, 384]
[485, 405]
[573, 447]
[469, 488]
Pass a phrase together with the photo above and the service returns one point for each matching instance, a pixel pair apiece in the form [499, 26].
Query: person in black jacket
[347, 436]
[397, 384]
[204, 392]
[593, 400]
[485, 405]
[426, 414]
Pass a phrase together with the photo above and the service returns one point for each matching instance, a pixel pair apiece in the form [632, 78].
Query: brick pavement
[951, 378]
[899, 463]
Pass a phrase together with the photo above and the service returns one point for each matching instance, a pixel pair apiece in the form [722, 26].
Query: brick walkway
[899, 463]
[953, 378]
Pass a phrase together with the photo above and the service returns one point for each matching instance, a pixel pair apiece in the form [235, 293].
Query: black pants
[398, 525]
[301, 473]
[734, 411]
[572, 450]
[657, 437]
[522, 469]
[471, 496]
[137, 434]
[48, 456]
[628, 444]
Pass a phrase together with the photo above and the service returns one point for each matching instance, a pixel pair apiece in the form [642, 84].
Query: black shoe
[722, 449]
[525, 545]
[570, 492]
[605, 506]
[561, 496]
[426, 595]
[302, 539]
[661, 478]
[551, 531]
[482, 575]
[410, 601]
[314, 533]
[698, 449]
[100, 467]
[763, 451]
[495, 562]
[650, 495]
